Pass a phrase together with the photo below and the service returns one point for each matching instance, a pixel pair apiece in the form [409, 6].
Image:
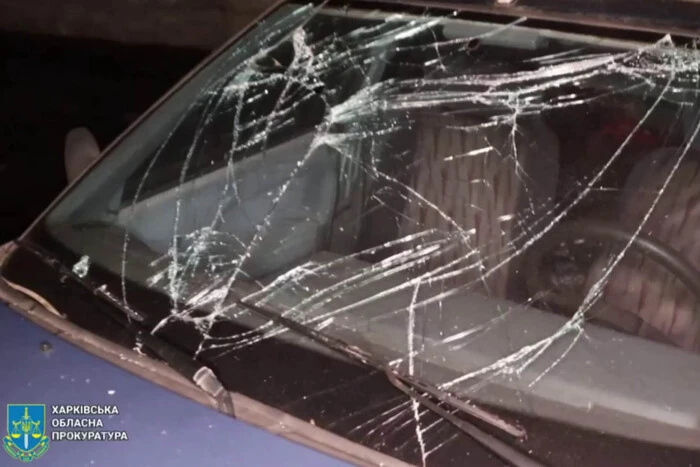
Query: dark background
[49, 85]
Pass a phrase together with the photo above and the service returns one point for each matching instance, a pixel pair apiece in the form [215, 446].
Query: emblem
[26, 438]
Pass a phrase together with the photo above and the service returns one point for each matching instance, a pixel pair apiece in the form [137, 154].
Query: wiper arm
[420, 393]
[132, 323]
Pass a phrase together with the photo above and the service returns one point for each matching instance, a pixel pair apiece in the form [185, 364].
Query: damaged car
[410, 233]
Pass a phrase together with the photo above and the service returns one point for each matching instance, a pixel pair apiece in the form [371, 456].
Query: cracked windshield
[504, 213]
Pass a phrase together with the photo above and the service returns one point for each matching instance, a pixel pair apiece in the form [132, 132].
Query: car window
[503, 211]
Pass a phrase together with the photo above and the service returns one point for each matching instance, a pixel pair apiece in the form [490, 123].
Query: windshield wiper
[420, 392]
[493, 444]
[206, 379]
[132, 322]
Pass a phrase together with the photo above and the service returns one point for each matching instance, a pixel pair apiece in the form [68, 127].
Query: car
[401, 233]
[159, 426]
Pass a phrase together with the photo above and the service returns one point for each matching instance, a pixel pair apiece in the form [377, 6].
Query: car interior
[437, 237]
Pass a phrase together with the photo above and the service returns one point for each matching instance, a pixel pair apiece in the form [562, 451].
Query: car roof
[677, 17]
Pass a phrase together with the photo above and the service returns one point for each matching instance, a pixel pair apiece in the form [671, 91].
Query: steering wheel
[568, 294]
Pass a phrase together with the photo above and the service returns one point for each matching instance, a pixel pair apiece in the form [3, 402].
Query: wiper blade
[466, 407]
[420, 393]
[493, 444]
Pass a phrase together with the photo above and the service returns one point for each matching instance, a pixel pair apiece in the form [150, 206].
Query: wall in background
[49, 85]
[182, 23]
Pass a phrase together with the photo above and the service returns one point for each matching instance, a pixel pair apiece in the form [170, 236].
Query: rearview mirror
[81, 150]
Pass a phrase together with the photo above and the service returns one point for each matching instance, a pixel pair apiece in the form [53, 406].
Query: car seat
[641, 296]
[480, 185]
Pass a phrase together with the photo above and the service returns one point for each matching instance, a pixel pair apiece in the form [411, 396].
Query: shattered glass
[507, 214]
